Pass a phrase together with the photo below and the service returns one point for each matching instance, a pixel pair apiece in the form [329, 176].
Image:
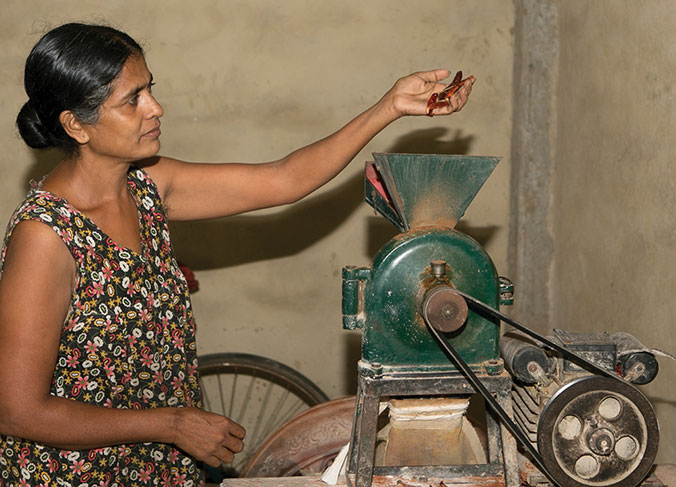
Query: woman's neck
[88, 184]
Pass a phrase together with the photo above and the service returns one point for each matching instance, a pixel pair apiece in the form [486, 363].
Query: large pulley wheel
[597, 431]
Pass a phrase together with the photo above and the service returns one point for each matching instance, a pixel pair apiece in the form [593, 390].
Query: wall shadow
[352, 356]
[227, 242]
[232, 241]
[433, 140]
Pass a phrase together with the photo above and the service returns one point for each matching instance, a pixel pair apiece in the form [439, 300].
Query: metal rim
[597, 431]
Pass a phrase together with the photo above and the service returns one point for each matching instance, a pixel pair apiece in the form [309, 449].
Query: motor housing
[589, 430]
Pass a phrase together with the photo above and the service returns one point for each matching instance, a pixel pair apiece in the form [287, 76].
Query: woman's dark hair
[72, 67]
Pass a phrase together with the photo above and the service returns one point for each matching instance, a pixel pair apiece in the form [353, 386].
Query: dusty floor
[665, 473]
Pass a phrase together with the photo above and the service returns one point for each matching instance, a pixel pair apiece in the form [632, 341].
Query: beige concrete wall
[252, 80]
[614, 194]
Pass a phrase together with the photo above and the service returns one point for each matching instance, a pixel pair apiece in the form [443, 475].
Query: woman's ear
[73, 127]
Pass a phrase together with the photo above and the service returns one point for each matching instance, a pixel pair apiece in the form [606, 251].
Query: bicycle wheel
[259, 393]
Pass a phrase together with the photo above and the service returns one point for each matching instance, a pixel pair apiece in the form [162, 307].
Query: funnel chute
[414, 190]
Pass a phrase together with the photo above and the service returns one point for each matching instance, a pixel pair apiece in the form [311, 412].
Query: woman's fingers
[433, 76]
[237, 430]
[206, 435]
[234, 443]
[458, 100]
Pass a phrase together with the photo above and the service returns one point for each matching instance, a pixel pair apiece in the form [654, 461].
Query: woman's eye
[133, 100]
[150, 86]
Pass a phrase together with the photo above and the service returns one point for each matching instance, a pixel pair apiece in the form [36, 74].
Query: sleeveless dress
[128, 341]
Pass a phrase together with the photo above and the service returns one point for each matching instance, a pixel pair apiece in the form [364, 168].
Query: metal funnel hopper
[414, 190]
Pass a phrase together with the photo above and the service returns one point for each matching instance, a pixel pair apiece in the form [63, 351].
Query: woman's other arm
[35, 292]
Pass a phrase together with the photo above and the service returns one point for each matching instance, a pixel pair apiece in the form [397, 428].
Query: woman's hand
[409, 95]
[210, 438]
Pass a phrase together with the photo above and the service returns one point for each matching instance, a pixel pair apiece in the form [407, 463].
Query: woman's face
[128, 128]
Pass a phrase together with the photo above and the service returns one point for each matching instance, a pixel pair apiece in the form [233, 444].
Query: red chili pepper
[442, 99]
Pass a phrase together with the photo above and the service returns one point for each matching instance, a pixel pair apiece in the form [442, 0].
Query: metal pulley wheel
[444, 309]
[597, 431]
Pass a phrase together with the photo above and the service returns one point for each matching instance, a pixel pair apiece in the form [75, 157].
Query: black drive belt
[488, 311]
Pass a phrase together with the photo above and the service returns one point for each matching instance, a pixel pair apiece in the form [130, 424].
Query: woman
[98, 366]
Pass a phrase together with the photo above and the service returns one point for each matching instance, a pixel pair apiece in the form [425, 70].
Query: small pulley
[442, 306]
[444, 309]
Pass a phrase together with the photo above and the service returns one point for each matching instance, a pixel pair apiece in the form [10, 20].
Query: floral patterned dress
[128, 341]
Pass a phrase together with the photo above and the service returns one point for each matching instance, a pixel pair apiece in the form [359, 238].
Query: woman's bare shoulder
[34, 247]
[161, 170]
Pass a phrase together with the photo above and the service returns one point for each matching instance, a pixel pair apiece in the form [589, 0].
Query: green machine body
[412, 276]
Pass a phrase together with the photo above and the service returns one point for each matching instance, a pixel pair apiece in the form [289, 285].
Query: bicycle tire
[243, 387]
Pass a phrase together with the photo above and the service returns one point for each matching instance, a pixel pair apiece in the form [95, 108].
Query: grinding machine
[559, 410]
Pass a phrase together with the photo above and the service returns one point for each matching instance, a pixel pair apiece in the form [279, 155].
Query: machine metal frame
[375, 382]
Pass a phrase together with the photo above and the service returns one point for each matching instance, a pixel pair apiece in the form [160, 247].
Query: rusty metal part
[444, 309]
[506, 291]
[598, 431]
[438, 268]
[523, 358]
[637, 362]
[308, 442]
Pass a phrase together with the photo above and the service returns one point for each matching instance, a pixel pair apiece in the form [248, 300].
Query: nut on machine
[429, 312]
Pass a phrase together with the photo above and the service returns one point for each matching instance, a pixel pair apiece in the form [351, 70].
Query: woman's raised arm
[193, 191]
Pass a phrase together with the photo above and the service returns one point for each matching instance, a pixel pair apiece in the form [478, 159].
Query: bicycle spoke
[220, 391]
[246, 400]
[231, 406]
[272, 420]
[259, 418]
[293, 409]
[241, 460]
[292, 412]
[205, 396]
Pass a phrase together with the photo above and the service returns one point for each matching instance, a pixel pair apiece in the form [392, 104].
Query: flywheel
[597, 431]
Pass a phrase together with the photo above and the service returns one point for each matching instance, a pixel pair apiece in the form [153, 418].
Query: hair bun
[32, 131]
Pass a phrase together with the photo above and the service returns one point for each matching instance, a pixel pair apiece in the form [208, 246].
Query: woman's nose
[155, 109]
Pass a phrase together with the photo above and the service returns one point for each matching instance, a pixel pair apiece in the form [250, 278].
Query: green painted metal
[431, 189]
[506, 292]
[395, 333]
[353, 278]
[424, 195]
